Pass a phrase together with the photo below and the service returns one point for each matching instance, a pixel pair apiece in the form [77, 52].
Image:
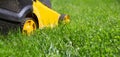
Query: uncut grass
[94, 31]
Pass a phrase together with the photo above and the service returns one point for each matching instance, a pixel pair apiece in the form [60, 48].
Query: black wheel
[47, 3]
[64, 18]
[29, 25]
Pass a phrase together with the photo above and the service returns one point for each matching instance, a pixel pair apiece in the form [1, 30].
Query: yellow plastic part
[29, 26]
[46, 16]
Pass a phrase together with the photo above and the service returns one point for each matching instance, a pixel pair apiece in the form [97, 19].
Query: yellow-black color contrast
[29, 15]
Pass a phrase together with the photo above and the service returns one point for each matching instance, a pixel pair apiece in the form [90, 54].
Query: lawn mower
[28, 15]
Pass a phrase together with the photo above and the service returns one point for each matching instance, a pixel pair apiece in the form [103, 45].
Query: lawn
[94, 31]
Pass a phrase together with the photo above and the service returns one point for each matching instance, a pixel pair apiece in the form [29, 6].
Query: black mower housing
[14, 10]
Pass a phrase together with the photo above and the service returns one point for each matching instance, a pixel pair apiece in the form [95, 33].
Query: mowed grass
[94, 31]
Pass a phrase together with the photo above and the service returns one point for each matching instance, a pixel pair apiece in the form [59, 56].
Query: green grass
[94, 31]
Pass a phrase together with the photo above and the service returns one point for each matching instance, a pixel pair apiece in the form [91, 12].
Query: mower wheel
[29, 25]
[64, 18]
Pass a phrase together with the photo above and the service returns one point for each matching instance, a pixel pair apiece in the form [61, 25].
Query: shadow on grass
[7, 32]
[8, 26]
